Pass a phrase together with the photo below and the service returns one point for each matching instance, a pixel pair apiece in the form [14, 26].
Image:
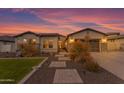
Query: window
[45, 44]
[33, 41]
[50, 44]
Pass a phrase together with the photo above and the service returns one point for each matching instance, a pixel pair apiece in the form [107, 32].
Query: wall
[55, 44]
[121, 45]
[62, 38]
[25, 36]
[6, 46]
[115, 44]
[92, 34]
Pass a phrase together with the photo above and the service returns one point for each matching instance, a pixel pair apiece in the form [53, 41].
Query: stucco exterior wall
[117, 44]
[55, 44]
[62, 38]
[25, 36]
[92, 34]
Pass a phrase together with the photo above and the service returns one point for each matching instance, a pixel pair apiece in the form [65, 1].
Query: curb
[31, 73]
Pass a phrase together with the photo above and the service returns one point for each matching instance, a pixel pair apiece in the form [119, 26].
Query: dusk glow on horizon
[63, 21]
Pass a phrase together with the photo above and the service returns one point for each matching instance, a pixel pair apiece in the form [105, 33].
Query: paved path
[58, 69]
[111, 61]
[65, 75]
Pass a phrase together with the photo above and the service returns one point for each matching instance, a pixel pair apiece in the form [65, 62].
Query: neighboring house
[98, 41]
[46, 42]
[7, 44]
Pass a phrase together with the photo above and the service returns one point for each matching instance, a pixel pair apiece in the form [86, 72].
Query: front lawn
[13, 70]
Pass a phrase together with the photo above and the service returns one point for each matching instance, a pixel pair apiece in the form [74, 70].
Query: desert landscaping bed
[12, 70]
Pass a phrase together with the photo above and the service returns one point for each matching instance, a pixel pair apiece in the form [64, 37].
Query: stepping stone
[63, 53]
[58, 55]
[57, 64]
[64, 58]
[58, 61]
[67, 76]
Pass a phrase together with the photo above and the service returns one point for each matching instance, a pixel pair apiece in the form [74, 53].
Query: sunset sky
[62, 21]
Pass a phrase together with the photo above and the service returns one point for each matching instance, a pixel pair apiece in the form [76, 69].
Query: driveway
[111, 61]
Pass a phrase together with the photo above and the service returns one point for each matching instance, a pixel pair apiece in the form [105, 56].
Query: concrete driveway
[111, 61]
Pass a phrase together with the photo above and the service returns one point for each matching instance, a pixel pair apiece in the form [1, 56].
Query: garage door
[94, 45]
[6, 48]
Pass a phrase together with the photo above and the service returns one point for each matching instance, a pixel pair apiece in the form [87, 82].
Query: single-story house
[98, 41]
[53, 42]
[46, 42]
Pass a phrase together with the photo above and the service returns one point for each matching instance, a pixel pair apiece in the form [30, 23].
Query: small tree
[29, 49]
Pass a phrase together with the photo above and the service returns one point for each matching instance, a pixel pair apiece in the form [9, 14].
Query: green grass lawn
[13, 70]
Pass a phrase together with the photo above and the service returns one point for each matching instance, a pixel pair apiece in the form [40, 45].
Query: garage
[6, 48]
[93, 36]
[6, 43]
[94, 45]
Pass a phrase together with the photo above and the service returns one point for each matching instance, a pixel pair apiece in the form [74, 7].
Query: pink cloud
[19, 28]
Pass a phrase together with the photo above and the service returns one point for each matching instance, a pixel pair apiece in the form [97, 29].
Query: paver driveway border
[34, 70]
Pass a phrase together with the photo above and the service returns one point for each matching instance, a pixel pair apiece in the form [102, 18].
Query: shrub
[79, 52]
[72, 56]
[91, 66]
